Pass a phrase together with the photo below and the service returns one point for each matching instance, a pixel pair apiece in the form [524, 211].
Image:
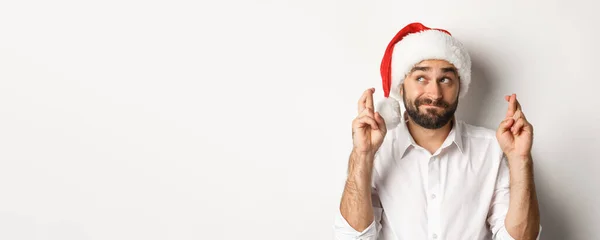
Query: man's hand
[368, 131]
[368, 128]
[515, 133]
[515, 136]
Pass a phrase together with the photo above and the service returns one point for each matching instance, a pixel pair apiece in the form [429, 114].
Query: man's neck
[430, 139]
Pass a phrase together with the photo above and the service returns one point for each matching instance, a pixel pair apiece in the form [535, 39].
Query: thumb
[380, 122]
[505, 125]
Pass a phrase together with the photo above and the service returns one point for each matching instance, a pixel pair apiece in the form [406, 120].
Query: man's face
[430, 93]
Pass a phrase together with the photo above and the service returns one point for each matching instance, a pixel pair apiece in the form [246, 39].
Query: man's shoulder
[477, 132]
[390, 137]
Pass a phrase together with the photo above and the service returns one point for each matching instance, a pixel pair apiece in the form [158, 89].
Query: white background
[231, 119]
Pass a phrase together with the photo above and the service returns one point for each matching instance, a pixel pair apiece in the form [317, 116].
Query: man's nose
[433, 90]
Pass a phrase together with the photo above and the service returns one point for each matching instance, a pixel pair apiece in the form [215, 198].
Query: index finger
[369, 103]
[363, 100]
[507, 98]
[512, 105]
[519, 110]
[518, 104]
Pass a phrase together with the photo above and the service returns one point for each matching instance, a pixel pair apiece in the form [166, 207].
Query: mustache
[427, 101]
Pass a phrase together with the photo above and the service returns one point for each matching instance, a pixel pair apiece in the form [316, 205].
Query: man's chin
[433, 112]
[432, 119]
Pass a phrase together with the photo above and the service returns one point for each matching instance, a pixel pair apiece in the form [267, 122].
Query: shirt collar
[406, 140]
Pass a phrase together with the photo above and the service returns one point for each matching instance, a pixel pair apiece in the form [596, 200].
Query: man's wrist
[362, 154]
[521, 168]
[362, 161]
[520, 159]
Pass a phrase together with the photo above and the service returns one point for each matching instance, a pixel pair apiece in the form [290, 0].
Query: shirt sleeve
[343, 230]
[499, 205]
[503, 234]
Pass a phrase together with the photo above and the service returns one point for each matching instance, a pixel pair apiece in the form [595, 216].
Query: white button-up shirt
[459, 192]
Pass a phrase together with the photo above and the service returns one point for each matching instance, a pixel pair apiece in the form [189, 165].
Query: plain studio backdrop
[231, 119]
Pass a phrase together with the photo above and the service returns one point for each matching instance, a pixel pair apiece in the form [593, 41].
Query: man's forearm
[356, 205]
[523, 217]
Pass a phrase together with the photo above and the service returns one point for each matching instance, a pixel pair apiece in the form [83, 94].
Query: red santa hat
[411, 45]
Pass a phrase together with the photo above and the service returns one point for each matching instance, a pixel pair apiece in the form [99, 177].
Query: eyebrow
[417, 68]
[450, 69]
[426, 69]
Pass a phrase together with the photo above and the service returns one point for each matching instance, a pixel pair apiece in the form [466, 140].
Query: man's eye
[446, 80]
[420, 79]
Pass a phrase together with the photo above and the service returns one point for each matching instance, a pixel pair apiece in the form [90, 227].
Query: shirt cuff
[503, 234]
[343, 230]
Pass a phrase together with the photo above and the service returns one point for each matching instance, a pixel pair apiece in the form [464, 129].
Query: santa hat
[413, 44]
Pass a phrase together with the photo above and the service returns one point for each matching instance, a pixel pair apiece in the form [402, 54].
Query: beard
[430, 119]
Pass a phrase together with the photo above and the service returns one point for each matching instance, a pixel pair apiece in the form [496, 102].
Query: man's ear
[402, 89]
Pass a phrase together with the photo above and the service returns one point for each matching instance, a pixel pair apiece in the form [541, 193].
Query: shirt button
[432, 196]
[434, 236]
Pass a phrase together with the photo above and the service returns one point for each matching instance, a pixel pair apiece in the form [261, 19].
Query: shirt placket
[433, 198]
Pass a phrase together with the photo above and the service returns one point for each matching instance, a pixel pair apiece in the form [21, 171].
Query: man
[424, 174]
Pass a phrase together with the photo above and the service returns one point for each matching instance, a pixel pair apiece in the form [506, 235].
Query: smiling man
[425, 174]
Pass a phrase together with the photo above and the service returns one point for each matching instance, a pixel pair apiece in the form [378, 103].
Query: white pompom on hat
[412, 45]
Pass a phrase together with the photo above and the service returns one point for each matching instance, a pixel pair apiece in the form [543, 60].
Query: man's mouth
[427, 105]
